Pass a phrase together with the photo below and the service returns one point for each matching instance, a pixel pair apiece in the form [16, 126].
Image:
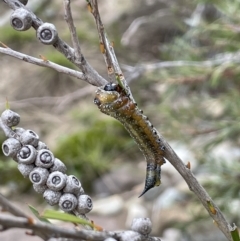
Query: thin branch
[220, 59]
[134, 72]
[106, 48]
[53, 231]
[43, 63]
[7, 206]
[56, 232]
[91, 75]
[72, 29]
[202, 64]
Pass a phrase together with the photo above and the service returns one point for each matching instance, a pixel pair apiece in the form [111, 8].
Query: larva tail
[152, 177]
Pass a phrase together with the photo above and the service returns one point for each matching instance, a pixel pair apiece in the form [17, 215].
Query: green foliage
[52, 214]
[12, 37]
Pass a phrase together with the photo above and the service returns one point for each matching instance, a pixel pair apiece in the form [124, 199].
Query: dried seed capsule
[131, 235]
[19, 130]
[73, 185]
[21, 19]
[44, 158]
[25, 169]
[58, 166]
[47, 33]
[56, 181]
[84, 204]
[27, 154]
[41, 145]
[10, 147]
[39, 188]
[29, 137]
[52, 197]
[142, 225]
[68, 202]
[81, 191]
[39, 175]
[10, 118]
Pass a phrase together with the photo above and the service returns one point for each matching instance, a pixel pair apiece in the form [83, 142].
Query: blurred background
[181, 59]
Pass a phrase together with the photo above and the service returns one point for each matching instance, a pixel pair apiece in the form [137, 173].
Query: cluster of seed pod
[46, 172]
[21, 20]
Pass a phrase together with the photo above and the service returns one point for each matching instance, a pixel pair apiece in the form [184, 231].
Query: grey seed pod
[84, 204]
[142, 225]
[58, 166]
[25, 169]
[130, 235]
[39, 188]
[47, 33]
[19, 130]
[10, 147]
[29, 137]
[21, 19]
[73, 185]
[56, 181]
[68, 202]
[52, 197]
[39, 175]
[41, 145]
[81, 191]
[44, 159]
[10, 118]
[27, 154]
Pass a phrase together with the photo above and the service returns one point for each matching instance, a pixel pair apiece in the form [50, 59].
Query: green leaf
[52, 214]
[36, 213]
[234, 232]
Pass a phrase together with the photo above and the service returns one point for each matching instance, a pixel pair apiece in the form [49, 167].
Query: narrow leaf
[52, 214]
[36, 213]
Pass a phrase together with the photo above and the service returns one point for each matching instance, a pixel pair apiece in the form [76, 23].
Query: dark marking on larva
[112, 100]
[163, 148]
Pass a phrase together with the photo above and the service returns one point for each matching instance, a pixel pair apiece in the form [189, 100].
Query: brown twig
[73, 32]
[91, 75]
[42, 63]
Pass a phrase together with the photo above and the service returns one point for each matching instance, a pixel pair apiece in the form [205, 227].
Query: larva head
[106, 94]
[112, 87]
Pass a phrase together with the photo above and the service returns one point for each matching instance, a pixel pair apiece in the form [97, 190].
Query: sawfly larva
[112, 100]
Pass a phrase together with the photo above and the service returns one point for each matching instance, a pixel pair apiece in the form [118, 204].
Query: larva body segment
[113, 101]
